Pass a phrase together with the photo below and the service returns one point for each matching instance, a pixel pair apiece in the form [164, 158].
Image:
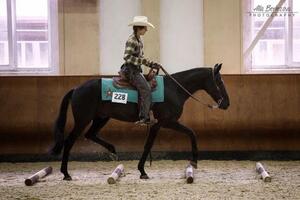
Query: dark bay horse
[87, 107]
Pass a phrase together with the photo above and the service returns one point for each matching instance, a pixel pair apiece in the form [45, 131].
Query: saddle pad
[108, 88]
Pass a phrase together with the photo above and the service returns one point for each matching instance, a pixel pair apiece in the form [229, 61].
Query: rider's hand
[156, 66]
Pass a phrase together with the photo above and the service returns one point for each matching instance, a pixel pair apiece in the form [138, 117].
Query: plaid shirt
[134, 53]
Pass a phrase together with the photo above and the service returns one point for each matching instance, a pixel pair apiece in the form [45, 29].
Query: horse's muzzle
[223, 104]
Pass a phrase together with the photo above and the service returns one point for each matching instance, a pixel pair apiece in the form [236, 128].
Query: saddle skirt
[120, 83]
[117, 84]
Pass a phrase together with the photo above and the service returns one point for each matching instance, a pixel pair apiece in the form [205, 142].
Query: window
[28, 35]
[271, 37]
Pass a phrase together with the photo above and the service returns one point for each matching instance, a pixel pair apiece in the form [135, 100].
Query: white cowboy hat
[140, 21]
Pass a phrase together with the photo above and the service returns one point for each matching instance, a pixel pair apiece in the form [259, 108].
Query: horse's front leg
[148, 145]
[183, 129]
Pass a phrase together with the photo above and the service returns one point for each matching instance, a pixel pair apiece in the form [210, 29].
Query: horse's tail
[60, 123]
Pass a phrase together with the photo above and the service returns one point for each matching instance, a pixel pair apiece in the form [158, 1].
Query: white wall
[181, 34]
[114, 31]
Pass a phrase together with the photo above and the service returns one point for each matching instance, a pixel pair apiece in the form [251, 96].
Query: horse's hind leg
[91, 134]
[68, 144]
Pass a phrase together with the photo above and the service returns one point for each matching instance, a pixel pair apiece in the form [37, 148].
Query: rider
[134, 58]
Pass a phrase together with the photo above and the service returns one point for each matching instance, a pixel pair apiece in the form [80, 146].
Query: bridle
[191, 95]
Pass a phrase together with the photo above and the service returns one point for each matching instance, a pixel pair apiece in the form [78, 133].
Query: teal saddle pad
[108, 88]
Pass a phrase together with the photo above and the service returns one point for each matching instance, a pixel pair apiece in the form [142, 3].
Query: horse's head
[215, 87]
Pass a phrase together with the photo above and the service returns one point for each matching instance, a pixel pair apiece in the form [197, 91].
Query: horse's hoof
[144, 176]
[67, 178]
[113, 156]
[194, 164]
[190, 180]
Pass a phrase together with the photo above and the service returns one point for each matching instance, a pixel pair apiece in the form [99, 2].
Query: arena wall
[264, 115]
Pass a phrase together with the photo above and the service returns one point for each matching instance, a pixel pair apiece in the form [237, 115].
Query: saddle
[122, 82]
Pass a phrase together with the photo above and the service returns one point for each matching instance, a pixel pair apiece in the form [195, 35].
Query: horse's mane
[189, 72]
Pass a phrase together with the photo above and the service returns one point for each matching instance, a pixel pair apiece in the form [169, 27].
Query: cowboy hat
[140, 21]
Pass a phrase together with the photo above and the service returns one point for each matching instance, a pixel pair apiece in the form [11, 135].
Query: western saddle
[123, 83]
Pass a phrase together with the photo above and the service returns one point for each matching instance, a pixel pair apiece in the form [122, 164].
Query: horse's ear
[217, 68]
[220, 66]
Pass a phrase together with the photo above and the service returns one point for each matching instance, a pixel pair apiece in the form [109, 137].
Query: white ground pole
[119, 171]
[37, 176]
[189, 174]
[262, 172]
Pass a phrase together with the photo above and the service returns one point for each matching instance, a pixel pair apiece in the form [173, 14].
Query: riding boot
[145, 99]
[134, 74]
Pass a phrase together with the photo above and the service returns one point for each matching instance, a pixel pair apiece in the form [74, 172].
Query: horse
[87, 107]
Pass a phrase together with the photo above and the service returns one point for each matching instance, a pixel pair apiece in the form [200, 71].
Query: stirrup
[146, 122]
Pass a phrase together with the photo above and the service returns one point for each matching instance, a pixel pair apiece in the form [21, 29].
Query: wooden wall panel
[264, 115]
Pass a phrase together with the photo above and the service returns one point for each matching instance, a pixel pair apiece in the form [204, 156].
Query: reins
[191, 95]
